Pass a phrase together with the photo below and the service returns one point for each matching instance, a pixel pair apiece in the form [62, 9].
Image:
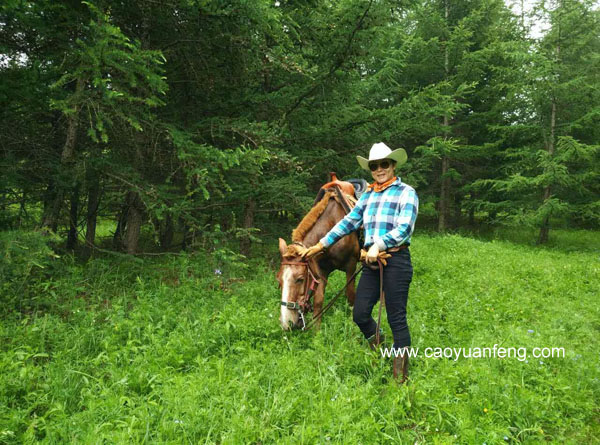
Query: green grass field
[165, 350]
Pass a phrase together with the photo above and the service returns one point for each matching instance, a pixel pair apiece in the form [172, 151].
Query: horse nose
[287, 317]
[289, 321]
[287, 326]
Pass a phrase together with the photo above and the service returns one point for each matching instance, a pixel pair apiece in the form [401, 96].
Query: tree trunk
[457, 218]
[185, 230]
[444, 207]
[48, 199]
[134, 222]
[22, 209]
[248, 223]
[544, 231]
[66, 159]
[73, 216]
[545, 228]
[52, 213]
[121, 227]
[166, 238]
[92, 210]
[444, 204]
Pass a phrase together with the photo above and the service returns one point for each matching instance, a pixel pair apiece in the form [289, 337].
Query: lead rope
[326, 308]
[377, 336]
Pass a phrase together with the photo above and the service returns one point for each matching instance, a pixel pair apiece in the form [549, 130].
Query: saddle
[360, 185]
[347, 193]
[352, 189]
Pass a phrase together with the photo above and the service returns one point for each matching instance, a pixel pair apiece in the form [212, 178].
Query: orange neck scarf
[381, 187]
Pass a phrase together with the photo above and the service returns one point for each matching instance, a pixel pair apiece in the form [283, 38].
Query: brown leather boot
[401, 368]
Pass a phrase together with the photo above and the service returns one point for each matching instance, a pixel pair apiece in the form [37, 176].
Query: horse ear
[282, 246]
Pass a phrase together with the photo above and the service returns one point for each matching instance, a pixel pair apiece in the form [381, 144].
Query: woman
[388, 211]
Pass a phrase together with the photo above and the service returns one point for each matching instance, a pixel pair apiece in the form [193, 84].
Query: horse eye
[299, 280]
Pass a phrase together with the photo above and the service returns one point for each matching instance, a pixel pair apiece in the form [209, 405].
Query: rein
[330, 304]
[381, 296]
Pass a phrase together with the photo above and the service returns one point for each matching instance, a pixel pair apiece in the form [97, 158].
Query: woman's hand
[383, 256]
[312, 251]
[372, 254]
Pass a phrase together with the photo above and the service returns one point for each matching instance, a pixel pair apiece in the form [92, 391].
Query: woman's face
[381, 174]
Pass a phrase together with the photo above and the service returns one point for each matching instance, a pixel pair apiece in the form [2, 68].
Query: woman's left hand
[383, 256]
[372, 254]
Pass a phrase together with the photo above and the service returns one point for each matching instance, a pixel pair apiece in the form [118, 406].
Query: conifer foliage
[173, 123]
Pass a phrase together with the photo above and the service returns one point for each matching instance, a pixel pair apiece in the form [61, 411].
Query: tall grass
[188, 350]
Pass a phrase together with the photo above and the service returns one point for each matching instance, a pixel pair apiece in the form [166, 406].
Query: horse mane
[310, 219]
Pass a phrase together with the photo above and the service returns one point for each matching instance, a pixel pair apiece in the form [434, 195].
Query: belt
[397, 248]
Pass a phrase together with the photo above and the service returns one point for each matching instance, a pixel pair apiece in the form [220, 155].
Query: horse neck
[330, 216]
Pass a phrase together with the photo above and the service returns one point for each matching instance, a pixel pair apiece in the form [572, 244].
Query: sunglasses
[375, 165]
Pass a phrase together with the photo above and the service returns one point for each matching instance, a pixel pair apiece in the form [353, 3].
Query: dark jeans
[397, 276]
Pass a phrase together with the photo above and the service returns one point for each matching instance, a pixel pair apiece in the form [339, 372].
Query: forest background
[181, 121]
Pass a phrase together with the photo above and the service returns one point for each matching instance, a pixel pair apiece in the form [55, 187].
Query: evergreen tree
[436, 95]
[549, 131]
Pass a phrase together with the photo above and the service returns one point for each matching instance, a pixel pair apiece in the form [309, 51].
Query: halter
[310, 286]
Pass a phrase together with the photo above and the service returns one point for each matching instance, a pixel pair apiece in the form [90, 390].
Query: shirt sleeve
[404, 224]
[351, 222]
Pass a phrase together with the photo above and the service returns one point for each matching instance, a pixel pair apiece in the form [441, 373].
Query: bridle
[305, 306]
[311, 282]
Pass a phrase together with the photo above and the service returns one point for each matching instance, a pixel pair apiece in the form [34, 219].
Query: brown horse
[297, 276]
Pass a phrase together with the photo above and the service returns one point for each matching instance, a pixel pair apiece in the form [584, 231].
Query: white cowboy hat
[382, 151]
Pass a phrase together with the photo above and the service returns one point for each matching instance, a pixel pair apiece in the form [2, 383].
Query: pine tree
[549, 169]
[435, 84]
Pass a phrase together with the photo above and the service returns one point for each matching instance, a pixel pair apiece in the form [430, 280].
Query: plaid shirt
[388, 217]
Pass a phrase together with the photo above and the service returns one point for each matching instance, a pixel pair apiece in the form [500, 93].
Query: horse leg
[318, 301]
[351, 288]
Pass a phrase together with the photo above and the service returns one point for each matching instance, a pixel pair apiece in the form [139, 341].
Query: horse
[298, 278]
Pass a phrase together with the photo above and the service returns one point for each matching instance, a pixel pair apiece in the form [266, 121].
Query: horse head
[294, 278]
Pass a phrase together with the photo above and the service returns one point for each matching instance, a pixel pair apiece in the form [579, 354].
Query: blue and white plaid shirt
[388, 217]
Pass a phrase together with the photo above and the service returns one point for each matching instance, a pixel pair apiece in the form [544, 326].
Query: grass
[567, 240]
[167, 350]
